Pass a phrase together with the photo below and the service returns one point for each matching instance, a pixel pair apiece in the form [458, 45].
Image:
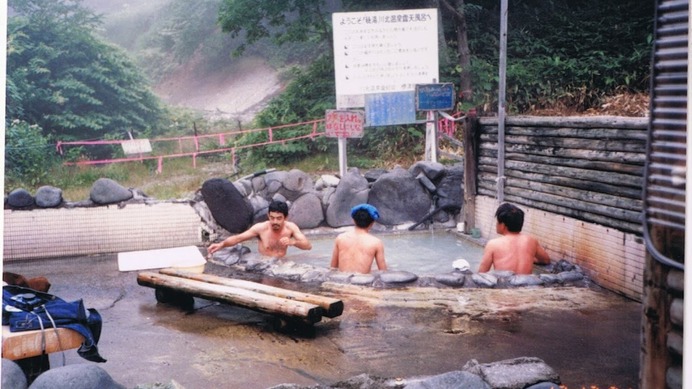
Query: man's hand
[214, 247]
[285, 241]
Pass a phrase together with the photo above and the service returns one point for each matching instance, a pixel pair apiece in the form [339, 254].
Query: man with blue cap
[355, 250]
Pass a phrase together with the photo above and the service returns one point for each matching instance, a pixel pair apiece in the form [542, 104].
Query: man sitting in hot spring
[355, 250]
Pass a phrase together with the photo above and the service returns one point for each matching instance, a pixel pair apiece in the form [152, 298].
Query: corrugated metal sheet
[664, 195]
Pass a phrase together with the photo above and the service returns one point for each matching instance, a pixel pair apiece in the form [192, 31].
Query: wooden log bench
[28, 350]
[25, 344]
[174, 284]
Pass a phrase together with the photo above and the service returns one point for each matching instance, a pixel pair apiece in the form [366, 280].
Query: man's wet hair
[511, 216]
[278, 206]
[362, 218]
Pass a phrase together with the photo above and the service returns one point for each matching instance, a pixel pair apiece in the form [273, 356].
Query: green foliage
[561, 52]
[67, 81]
[281, 21]
[307, 97]
[28, 155]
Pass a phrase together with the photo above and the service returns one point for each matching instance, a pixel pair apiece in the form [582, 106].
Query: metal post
[342, 156]
[687, 303]
[433, 155]
[501, 104]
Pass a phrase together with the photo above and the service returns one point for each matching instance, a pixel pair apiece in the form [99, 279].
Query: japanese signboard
[383, 52]
[388, 109]
[344, 123]
[136, 146]
[434, 97]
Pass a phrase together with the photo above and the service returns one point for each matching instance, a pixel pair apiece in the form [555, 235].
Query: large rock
[48, 196]
[351, 191]
[20, 198]
[450, 190]
[12, 375]
[273, 182]
[79, 376]
[399, 198]
[397, 277]
[295, 184]
[106, 191]
[452, 379]
[517, 373]
[373, 174]
[306, 211]
[432, 170]
[230, 209]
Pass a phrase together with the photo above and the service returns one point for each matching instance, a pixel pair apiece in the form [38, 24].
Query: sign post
[433, 98]
[343, 124]
[379, 58]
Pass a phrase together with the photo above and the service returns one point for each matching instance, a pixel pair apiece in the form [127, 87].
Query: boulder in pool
[451, 279]
[486, 280]
[397, 277]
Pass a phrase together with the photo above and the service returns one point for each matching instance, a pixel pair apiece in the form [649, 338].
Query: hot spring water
[419, 253]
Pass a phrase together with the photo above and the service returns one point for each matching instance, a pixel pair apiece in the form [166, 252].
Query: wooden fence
[587, 168]
[580, 182]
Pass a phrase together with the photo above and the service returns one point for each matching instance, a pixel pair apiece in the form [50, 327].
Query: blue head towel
[371, 210]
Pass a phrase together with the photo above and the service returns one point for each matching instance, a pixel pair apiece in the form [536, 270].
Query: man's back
[513, 251]
[354, 251]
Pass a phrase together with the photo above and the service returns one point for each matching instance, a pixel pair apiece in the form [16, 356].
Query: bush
[28, 154]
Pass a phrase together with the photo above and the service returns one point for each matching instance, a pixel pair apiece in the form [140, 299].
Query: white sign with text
[383, 52]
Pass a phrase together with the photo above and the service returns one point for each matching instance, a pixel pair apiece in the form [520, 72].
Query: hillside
[237, 91]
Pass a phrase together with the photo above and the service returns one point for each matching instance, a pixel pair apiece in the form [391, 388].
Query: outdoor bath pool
[426, 253]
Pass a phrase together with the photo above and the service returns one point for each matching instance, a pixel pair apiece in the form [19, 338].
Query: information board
[136, 146]
[388, 109]
[383, 52]
[434, 97]
[344, 123]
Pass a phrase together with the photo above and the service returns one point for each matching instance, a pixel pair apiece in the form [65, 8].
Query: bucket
[476, 233]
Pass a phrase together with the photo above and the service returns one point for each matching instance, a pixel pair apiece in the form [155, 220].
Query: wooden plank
[584, 213]
[25, 344]
[332, 307]
[639, 158]
[261, 302]
[570, 121]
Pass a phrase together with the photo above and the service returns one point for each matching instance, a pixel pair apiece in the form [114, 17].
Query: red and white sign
[344, 123]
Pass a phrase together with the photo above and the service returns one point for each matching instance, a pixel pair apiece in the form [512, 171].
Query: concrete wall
[44, 233]
[612, 258]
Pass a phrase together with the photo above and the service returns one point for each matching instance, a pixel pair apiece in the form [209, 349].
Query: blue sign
[387, 109]
[434, 97]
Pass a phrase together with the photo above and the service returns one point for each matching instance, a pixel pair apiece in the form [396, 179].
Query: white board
[188, 256]
[383, 52]
[136, 146]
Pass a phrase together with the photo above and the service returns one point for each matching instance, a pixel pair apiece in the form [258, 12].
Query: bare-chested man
[354, 251]
[274, 235]
[513, 250]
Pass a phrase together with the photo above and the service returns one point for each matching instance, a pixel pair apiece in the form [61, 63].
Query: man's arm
[542, 256]
[299, 240]
[487, 260]
[335, 255]
[379, 257]
[233, 240]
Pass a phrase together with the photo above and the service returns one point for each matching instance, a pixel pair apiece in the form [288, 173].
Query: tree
[68, 82]
[299, 20]
[282, 21]
[559, 51]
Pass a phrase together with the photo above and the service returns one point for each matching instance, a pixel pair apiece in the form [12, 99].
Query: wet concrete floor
[588, 335]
